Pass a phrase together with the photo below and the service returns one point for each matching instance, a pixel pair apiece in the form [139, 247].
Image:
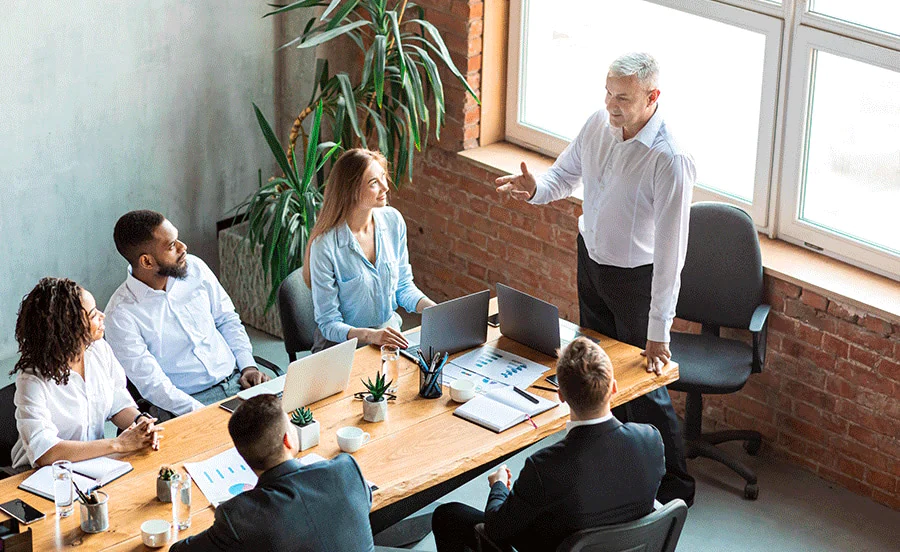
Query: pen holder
[95, 517]
[430, 384]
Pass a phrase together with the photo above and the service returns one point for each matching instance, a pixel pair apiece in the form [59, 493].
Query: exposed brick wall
[829, 397]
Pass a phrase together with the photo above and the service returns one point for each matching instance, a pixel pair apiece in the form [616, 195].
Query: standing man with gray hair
[632, 236]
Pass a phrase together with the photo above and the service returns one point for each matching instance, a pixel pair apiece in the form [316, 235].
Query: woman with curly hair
[69, 383]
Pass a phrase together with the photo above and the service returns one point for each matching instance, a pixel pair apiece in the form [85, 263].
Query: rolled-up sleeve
[408, 295]
[121, 398]
[33, 418]
[672, 188]
[326, 302]
[142, 368]
[228, 321]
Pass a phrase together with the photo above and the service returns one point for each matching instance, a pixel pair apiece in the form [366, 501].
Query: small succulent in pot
[164, 484]
[375, 403]
[307, 428]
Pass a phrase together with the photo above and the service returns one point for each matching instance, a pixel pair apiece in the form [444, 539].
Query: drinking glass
[181, 501]
[390, 365]
[62, 488]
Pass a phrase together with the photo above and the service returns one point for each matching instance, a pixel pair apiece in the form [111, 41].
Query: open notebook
[87, 474]
[501, 409]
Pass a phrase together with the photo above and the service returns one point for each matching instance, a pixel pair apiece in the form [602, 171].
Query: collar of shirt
[345, 237]
[140, 290]
[593, 421]
[647, 134]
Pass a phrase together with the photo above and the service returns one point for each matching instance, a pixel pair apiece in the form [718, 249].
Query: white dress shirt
[593, 421]
[637, 201]
[177, 341]
[47, 413]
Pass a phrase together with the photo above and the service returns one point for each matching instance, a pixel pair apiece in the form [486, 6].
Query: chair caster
[752, 447]
[751, 491]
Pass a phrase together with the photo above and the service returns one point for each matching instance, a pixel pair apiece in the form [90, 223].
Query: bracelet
[141, 415]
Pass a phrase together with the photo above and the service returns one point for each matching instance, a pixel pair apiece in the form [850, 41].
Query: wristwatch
[140, 415]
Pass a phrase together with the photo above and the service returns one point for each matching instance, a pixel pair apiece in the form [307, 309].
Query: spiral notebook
[87, 474]
[501, 409]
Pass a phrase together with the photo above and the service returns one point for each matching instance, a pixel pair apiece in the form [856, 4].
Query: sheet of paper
[500, 366]
[222, 477]
[483, 384]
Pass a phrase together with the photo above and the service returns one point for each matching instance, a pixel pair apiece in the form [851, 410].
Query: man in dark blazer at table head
[602, 472]
[321, 507]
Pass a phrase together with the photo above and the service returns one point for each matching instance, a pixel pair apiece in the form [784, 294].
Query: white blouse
[47, 413]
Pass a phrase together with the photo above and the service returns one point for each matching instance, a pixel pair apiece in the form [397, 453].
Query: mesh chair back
[297, 317]
[658, 531]
[9, 434]
[722, 280]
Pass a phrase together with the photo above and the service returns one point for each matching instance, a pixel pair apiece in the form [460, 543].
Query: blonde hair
[342, 192]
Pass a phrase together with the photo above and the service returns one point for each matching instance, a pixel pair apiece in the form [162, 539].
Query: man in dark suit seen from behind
[321, 507]
[603, 472]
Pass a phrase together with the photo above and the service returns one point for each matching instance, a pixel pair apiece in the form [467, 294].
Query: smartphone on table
[22, 511]
[494, 320]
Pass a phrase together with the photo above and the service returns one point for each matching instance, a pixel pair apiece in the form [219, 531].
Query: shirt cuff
[244, 359]
[658, 330]
[539, 193]
[38, 446]
[417, 297]
[336, 331]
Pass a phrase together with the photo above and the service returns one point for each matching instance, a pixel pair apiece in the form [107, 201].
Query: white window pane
[883, 15]
[852, 178]
[711, 78]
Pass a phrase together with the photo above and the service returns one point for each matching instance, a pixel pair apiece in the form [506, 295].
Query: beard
[177, 271]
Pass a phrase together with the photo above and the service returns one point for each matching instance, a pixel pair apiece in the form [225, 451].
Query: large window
[807, 139]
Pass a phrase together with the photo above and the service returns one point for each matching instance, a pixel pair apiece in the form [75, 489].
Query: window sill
[855, 286]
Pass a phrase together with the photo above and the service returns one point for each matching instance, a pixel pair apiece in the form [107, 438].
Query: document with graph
[500, 366]
[222, 477]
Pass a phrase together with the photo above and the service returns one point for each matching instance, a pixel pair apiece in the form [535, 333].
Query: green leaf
[333, 33]
[398, 42]
[350, 99]
[295, 5]
[434, 77]
[379, 129]
[378, 70]
[310, 165]
[329, 9]
[269, 135]
[341, 14]
[443, 52]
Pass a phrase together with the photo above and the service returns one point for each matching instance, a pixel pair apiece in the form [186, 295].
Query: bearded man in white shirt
[632, 236]
[171, 324]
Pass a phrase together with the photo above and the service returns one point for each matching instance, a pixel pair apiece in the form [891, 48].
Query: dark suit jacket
[598, 475]
[322, 507]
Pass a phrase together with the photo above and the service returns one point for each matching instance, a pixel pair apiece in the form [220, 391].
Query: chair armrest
[260, 361]
[485, 544]
[759, 327]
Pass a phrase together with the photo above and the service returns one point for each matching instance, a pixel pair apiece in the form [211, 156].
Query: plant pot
[308, 435]
[374, 411]
[164, 490]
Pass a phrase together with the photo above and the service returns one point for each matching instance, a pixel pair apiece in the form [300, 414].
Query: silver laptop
[528, 320]
[311, 378]
[451, 326]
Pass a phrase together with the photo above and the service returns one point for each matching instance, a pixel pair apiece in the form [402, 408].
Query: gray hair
[639, 64]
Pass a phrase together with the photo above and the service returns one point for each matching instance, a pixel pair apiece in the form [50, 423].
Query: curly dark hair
[133, 231]
[52, 329]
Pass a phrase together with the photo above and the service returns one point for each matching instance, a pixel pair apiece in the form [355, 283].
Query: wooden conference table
[418, 454]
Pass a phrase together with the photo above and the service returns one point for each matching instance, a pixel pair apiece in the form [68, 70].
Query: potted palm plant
[375, 402]
[307, 427]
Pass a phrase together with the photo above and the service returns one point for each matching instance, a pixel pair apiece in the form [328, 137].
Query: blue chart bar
[230, 469]
[243, 467]
[208, 477]
[220, 473]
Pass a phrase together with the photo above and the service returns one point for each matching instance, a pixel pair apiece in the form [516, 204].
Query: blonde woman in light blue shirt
[357, 263]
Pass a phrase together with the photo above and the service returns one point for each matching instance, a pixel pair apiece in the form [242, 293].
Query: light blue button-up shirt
[177, 341]
[350, 292]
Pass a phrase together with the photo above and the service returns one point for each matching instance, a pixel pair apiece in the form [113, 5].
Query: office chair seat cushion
[710, 364]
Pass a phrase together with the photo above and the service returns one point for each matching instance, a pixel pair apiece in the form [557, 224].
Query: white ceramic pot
[309, 435]
[374, 411]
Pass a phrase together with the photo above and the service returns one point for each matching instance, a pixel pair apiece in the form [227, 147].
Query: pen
[526, 395]
[546, 388]
[81, 495]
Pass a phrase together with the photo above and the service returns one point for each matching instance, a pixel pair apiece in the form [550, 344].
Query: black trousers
[616, 302]
[453, 525]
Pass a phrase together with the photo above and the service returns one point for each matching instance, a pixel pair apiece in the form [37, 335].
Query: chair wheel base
[751, 491]
[752, 447]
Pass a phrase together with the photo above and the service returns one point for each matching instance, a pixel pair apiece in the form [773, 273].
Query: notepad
[87, 474]
[501, 409]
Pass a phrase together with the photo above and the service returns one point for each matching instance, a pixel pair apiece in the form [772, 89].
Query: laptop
[534, 323]
[311, 378]
[451, 326]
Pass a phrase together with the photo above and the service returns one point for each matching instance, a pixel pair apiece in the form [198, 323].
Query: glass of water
[181, 501]
[62, 488]
[390, 365]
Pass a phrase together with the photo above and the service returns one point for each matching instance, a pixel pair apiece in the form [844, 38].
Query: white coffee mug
[155, 533]
[351, 438]
[462, 390]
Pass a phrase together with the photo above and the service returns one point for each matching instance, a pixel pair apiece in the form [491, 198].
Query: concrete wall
[107, 107]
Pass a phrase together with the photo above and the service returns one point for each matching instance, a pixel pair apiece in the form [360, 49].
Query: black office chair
[9, 434]
[721, 286]
[298, 321]
[658, 531]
